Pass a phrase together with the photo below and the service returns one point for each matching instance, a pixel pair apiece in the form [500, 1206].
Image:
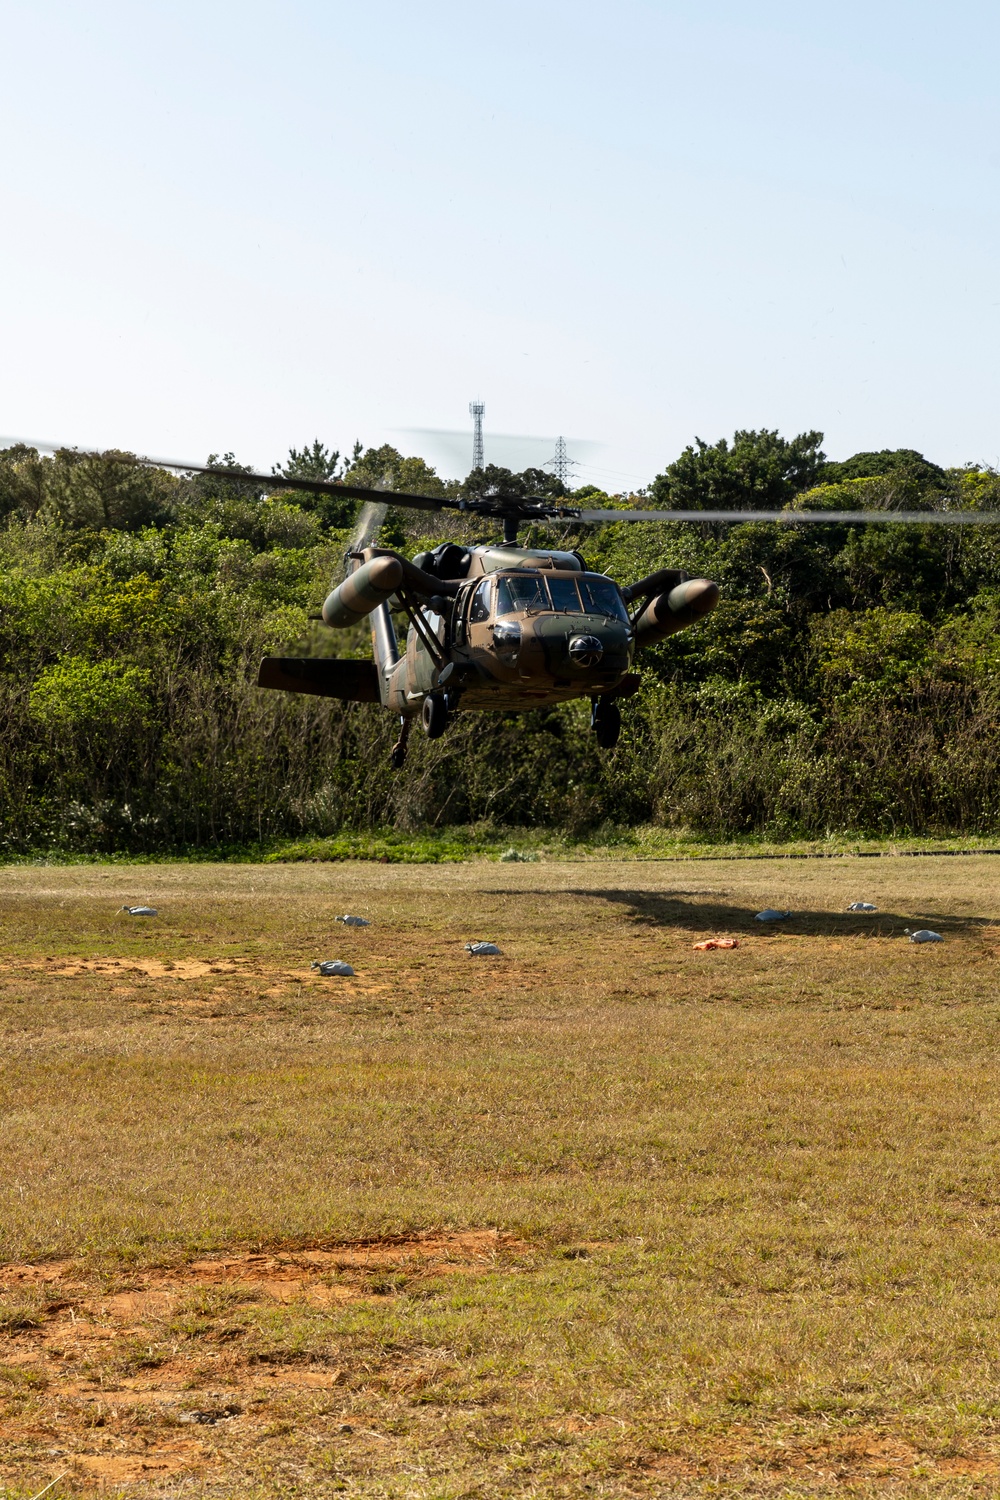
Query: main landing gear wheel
[434, 716]
[606, 722]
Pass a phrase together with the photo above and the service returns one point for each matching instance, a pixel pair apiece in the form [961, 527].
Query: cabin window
[480, 604]
[600, 597]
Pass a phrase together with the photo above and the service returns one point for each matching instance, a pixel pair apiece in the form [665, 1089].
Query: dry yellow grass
[637, 1220]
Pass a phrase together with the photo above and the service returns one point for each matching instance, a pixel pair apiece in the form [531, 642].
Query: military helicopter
[501, 626]
[511, 627]
[504, 626]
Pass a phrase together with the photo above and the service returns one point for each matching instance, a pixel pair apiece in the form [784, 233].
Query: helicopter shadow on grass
[672, 909]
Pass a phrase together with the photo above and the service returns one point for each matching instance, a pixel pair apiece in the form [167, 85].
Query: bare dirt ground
[605, 1215]
[143, 1419]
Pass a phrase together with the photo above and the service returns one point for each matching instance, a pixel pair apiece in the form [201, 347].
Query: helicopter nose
[585, 650]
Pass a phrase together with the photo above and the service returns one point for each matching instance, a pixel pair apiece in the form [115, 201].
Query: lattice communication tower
[477, 410]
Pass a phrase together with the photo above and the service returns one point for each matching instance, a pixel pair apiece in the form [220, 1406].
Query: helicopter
[510, 627]
[500, 626]
[505, 626]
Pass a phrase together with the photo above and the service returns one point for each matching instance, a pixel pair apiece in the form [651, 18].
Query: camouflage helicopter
[509, 627]
[504, 626]
[501, 626]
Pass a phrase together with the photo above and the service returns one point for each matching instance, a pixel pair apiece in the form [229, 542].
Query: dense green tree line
[850, 678]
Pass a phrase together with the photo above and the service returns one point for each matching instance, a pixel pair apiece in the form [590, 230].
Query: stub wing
[326, 677]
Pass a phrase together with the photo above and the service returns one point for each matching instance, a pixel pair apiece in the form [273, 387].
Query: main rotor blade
[272, 482]
[797, 517]
[541, 507]
[275, 482]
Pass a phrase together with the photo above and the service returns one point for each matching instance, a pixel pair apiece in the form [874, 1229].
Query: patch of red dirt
[99, 1383]
[156, 1463]
[193, 968]
[319, 1277]
[150, 968]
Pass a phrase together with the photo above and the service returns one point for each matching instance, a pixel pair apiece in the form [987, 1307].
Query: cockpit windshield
[521, 591]
[562, 592]
[590, 594]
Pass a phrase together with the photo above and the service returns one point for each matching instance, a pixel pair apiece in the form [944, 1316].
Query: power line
[600, 469]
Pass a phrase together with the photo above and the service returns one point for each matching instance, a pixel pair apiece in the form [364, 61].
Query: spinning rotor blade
[795, 517]
[271, 482]
[543, 508]
[371, 519]
[275, 482]
[450, 449]
[370, 523]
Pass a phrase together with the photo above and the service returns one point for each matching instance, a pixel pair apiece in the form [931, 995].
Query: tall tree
[904, 464]
[495, 480]
[313, 462]
[759, 471]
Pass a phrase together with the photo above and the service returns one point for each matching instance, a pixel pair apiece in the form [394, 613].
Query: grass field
[461, 843]
[603, 1216]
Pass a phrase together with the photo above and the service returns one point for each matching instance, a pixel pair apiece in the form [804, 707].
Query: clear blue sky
[242, 226]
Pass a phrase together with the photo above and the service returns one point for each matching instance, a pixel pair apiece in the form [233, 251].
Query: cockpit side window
[480, 608]
[600, 597]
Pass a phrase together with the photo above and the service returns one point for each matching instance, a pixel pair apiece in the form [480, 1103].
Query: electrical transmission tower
[561, 464]
[477, 410]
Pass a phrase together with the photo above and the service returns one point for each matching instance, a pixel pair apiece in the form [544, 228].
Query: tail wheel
[397, 755]
[607, 723]
[434, 716]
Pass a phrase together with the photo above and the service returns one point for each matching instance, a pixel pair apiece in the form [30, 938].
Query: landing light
[507, 640]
